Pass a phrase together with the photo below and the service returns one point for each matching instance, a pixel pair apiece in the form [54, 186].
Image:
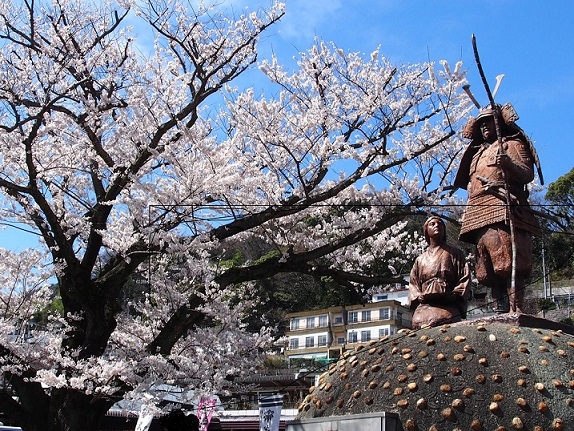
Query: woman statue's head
[432, 226]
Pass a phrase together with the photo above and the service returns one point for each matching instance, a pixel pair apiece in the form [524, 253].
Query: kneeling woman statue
[440, 281]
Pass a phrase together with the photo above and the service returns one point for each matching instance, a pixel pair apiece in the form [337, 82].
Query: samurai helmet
[505, 112]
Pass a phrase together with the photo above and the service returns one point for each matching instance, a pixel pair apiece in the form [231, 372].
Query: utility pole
[544, 273]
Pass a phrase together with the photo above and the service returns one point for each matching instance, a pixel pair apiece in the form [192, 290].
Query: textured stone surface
[490, 375]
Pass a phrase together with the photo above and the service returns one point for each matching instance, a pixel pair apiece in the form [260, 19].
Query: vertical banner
[144, 420]
[205, 410]
[270, 412]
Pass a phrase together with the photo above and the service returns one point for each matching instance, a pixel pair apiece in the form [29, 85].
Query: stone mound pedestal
[504, 372]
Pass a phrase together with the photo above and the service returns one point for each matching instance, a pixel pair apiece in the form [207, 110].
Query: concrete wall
[365, 422]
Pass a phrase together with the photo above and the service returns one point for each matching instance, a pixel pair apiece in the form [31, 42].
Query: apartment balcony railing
[391, 317]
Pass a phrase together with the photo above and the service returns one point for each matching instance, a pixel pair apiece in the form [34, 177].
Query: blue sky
[530, 42]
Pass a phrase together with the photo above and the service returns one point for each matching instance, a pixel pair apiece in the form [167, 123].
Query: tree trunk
[74, 411]
[60, 410]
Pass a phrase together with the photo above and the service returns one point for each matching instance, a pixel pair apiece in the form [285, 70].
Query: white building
[400, 294]
[327, 333]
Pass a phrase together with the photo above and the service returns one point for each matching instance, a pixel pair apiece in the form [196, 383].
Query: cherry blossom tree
[128, 150]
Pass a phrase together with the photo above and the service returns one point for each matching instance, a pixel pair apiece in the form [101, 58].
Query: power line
[352, 205]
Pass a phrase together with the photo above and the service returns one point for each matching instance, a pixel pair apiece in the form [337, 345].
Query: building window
[365, 336]
[353, 317]
[383, 332]
[339, 320]
[381, 297]
[309, 341]
[294, 343]
[310, 322]
[340, 340]
[352, 337]
[366, 316]
[384, 313]
[294, 324]
[323, 321]
[399, 316]
[322, 340]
